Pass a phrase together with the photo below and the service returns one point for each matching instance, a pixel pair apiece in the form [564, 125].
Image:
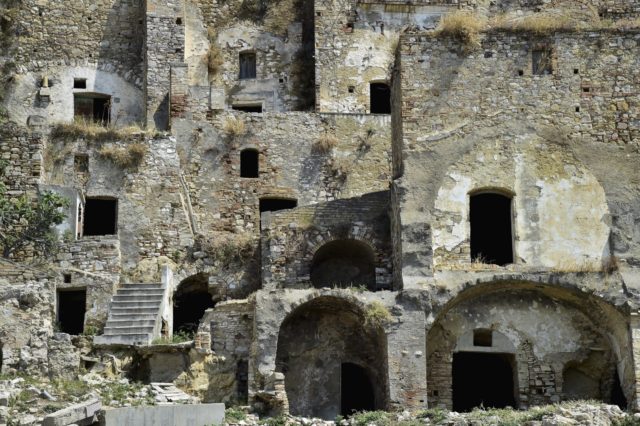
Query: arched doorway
[331, 361]
[521, 344]
[356, 390]
[344, 263]
[190, 300]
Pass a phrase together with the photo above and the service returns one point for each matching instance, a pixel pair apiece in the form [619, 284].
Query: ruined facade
[342, 206]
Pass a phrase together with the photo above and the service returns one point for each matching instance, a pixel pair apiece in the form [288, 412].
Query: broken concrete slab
[166, 415]
[84, 413]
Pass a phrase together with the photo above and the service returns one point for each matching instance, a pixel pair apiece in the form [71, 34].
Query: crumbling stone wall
[22, 151]
[291, 238]
[570, 340]
[356, 44]
[470, 115]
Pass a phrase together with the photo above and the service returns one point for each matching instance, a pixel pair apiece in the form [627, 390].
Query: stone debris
[169, 393]
[81, 414]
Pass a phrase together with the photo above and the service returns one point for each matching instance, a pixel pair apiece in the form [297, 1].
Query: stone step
[143, 286]
[138, 322]
[125, 330]
[118, 315]
[126, 339]
[123, 310]
[132, 291]
[135, 304]
[137, 297]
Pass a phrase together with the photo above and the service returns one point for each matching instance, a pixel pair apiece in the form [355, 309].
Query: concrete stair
[134, 315]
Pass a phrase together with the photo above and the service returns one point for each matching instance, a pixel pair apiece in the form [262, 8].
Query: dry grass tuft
[234, 126]
[82, 129]
[574, 266]
[215, 59]
[376, 315]
[226, 247]
[324, 144]
[537, 23]
[279, 16]
[128, 156]
[463, 25]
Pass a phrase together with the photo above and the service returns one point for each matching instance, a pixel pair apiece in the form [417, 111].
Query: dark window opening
[71, 309]
[344, 263]
[249, 163]
[520, 73]
[100, 217]
[586, 89]
[351, 89]
[247, 108]
[491, 239]
[178, 21]
[275, 204]
[482, 379]
[94, 108]
[356, 390]
[66, 278]
[577, 109]
[380, 98]
[247, 65]
[190, 301]
[79, 83]
[81, 163]
[482, 337]
[542, 61]
[576, 71]
[242, 380]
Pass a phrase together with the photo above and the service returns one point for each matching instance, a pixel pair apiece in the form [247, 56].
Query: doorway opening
[380, 98]
[71, 309]
[190, 301]
[356, 390]
[491, 235]
[483, 379]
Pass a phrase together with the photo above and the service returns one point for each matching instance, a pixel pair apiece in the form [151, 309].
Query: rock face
[351, 205]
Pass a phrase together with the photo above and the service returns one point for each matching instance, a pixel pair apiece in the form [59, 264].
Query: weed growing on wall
[376, 315]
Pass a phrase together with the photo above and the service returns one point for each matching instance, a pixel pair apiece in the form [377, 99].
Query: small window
[92, 107]
[79, 83]
[483, 337]
[491, 234]
[380, 98]
[71, 310]
[81, 163]
[542, 60]
[247, 108]
[66, 278]
[100, 217]
[249, 164]
[247, 65]
[275, 204]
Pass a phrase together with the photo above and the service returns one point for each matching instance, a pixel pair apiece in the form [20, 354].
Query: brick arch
[327, 236]
[601, 317]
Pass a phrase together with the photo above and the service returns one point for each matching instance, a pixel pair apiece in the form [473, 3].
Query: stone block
[167, 415]
[84, 413]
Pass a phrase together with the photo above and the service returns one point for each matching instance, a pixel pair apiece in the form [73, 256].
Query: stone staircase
[135, 315]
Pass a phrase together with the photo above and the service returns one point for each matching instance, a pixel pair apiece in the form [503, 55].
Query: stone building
[349, 204]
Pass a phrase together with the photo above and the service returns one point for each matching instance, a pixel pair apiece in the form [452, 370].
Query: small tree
[29, 223]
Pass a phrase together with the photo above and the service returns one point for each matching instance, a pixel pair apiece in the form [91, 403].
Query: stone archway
[343, 263]
[190, 300]
[559, 345]
[320, 343]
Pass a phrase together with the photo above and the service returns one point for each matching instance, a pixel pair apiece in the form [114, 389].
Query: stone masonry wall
[106, 34]
[290, 238]
[455, 109]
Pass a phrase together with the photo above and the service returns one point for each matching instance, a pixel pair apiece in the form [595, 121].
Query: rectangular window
[79, 83]
[542, 60]
[247, 65]
[100, 217]
[247, 108]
